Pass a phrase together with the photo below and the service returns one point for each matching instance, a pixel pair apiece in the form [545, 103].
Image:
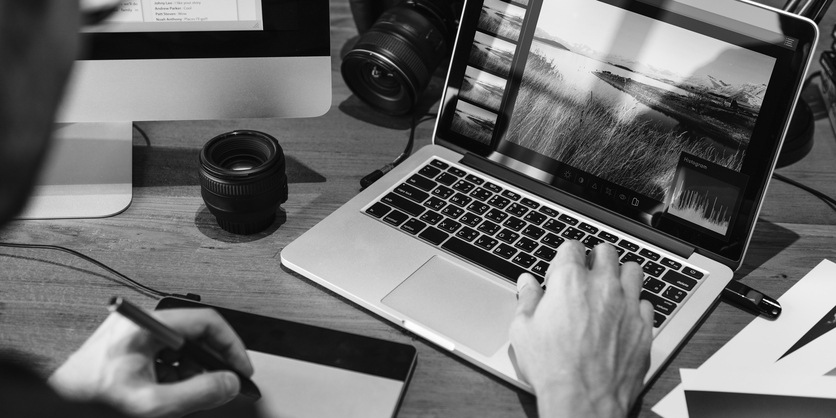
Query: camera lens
[391, 64]
[243, 180]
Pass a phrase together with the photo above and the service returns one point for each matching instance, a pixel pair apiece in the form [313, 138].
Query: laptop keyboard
[509, 232]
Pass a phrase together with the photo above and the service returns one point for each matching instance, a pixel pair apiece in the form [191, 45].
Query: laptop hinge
[596, 212]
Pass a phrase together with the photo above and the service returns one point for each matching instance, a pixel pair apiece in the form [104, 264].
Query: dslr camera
[401, 44]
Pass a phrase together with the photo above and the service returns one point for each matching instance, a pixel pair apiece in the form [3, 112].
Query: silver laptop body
[383, 250]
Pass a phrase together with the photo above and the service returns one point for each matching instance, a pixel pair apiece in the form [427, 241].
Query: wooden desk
[51, 302]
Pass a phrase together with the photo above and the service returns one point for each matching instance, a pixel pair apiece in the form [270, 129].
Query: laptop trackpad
[457, 304]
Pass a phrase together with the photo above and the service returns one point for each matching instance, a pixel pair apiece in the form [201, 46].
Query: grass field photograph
[625, 108]
[482, 88]
[492, 54]
[473, 122]
[502, 19]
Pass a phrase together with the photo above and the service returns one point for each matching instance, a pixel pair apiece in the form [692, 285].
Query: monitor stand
[87, 173]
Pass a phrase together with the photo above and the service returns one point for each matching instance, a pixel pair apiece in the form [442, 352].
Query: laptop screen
[665, 113]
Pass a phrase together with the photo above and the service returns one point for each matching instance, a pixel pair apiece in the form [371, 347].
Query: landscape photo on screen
[705, 194]
[491, 54]
[482, 88]
[624, 98]
[473, 122]
[501, 18]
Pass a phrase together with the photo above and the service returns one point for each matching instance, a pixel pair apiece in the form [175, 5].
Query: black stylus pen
[202, 354]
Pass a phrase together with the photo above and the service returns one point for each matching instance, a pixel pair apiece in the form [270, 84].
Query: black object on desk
[749, 299]
[204, 355]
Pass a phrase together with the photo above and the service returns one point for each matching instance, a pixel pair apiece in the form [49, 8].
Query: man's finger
[529, 294]
[631, 280]
[604, 261]
[204, 391]
[208, 326]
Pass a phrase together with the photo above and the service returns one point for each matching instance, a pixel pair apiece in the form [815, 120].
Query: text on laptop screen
[650, 113]
[183, 15]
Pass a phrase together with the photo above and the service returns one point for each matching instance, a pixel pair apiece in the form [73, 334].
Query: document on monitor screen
[183, 15]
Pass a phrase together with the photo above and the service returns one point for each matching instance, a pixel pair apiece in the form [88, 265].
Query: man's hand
[584, 344]
[118, 365]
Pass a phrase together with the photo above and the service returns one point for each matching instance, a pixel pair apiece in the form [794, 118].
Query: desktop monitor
[155, 60]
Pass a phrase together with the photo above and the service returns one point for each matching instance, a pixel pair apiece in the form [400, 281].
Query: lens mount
[243, 180]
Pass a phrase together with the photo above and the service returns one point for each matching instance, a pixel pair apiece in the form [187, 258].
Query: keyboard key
[674, 293]
[443, 192]
[589, 229]
[554, 226]
[671, 264]
[504, 251]
[533, 232]
[464, 186]
[467, 234]
[447, 179]
[653, 285]
[496, 215]
[498, 201]
[460, 199]
[470, 219]
[517, 209]
[490, 262]
[530, 203]
[433, 235]
[572, 233]
[653, 269]
[661, 305]
[395, 217]
[649, 254]
[440, 164]
[526, 244]
[486, 242]
[568, 219]
[524, 260]
[492, 187]
[620, 251]
[452, 211]
[629, 246]
[422, 182]
[456, 172]
[473, 179]
[514, 223]
[403, 204]
[478, 207]
[449, 225]
[606, 236]
[692, 272]
[552, 240]
[435, 203]
[632, 257]
[535, 218]
[413, 226]
[677, 279]
[489, 227]
[591, 241]
[545, 253]
[481, 194]
[511, 195]
[548, 211]
[378, 210]
[431, 217]
[411, 193]
[540, 268]
[507, 235]
[429, 171]
[658, 319]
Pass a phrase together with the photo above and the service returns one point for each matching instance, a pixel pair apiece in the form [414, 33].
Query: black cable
[375, 175]
[89, 259]
[829, 200]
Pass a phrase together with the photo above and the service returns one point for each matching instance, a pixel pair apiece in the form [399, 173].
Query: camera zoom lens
[392, 63]
[243, 180]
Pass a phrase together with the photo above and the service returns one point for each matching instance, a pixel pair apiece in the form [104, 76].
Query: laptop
[651, 125]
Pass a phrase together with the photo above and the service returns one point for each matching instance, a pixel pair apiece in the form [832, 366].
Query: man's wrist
[568, 401]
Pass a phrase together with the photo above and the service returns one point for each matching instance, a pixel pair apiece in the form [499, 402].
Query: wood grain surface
[50, 302]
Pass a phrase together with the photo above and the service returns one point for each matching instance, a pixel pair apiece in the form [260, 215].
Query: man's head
[38, 43]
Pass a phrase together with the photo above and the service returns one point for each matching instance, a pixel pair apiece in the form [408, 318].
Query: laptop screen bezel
[783, 90]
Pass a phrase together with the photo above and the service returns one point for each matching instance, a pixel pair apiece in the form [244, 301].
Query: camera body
[401, 44]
